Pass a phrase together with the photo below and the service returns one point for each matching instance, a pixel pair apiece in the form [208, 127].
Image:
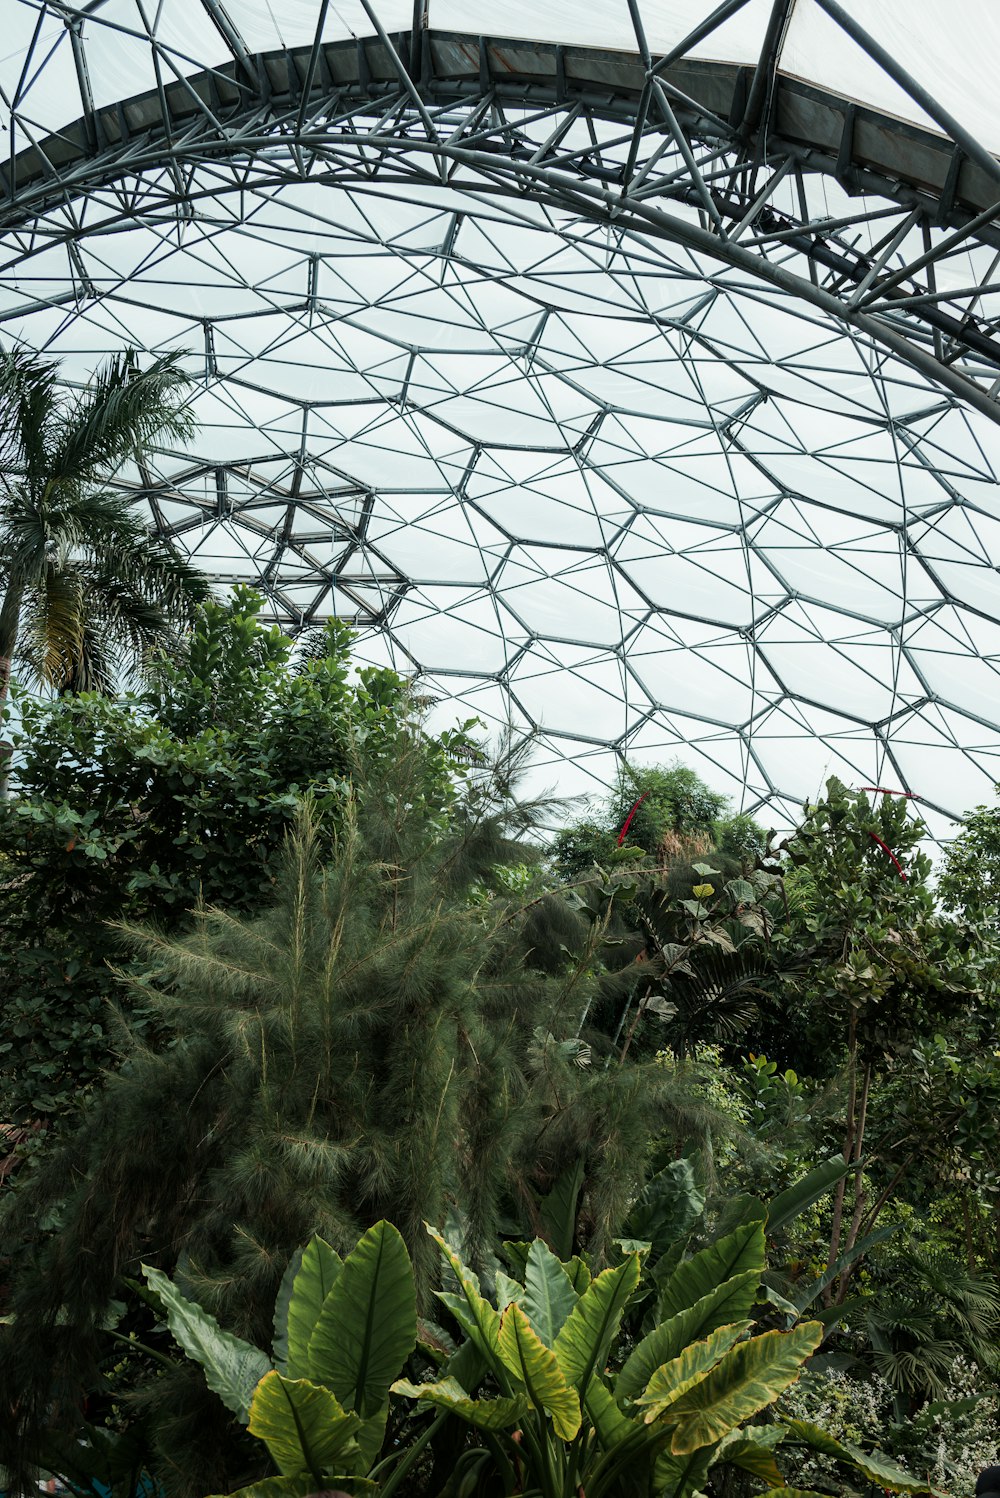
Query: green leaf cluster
[540, 1385]
[143, 807]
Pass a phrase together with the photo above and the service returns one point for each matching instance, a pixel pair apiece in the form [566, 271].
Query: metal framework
[647, 400]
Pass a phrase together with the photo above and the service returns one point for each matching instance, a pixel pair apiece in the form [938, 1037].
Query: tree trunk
[859, 1186]
[10, 613]
[849, 1135]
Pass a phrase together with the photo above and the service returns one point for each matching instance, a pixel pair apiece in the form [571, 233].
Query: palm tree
[85, 590]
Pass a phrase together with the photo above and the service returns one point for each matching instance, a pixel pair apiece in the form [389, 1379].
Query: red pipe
[628, 819]
[886, 849]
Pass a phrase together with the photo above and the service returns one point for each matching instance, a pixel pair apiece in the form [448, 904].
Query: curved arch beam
[675, 156]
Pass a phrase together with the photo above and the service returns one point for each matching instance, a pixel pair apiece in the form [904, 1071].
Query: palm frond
[29, 404]
[124, 408]
[52, 628]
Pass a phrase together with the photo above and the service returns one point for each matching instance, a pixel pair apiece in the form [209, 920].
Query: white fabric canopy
[953, 50]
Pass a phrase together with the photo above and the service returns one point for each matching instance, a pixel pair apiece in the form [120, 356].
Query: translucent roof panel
[599, 422]
[955, 53]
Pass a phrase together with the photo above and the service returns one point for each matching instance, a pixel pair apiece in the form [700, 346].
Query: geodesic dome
[626, 372]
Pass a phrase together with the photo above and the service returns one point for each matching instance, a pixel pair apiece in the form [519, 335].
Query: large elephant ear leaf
[611, 1425]
[548, 1296]
[667, 1209]
[368, 1324]
[309, 1280]
[669, 1383]
[558, 1210]
[704, 1272]
[448, 1394]
[747, 1380]
[371, 1436]
[534, 1366]
[681, 1476]
[478, 1319]
[752, 1449]
[729, 1302]
[279, 1335]
[303, 1427]
[233, 1368]
[585, 1338]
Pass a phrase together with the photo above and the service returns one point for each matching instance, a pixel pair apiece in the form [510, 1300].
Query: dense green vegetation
[366, 1134]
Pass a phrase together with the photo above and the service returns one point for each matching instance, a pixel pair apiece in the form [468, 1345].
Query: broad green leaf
[583, 1341]
[879, 1469]
[740, 891]
[534, 1365]
[313, 1282]
[814, 1184]
[747, 1380]
[669, 1260]
[368, 1324]
[507, 1290]
[579, 1273]
[448, 1394]
[668, 1207]
[704, 1272]
[468, 1366]
[731, 1301]
[558, 1210]
[474, 1314]
[604, 1415]
[279, 1339]
[303, 1426]
[678, 1476]
[752, 1449]
[233, 1368]
[516, 1253]
[624, 1467]
[771, 1297]
[675, 1378]
[371, 1435]
[548, 1297]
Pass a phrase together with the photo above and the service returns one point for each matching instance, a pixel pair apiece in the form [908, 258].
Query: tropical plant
[86, 589]
[930, 1312]
[705, 939]
[137, 807]
[668, 812]
[551, 1400]
[879, 968]
[377, 1041]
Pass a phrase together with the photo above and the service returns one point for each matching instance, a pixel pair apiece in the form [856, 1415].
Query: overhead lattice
[667, 431]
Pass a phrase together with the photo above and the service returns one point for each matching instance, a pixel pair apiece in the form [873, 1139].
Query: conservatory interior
[499, 732]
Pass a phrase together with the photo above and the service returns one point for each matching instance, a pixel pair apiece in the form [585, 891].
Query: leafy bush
[142, 807]
[530, 1380]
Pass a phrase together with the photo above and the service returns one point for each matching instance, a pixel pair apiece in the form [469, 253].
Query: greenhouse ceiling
[628, 371]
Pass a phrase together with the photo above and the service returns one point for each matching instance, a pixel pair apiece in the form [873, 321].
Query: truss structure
[641, 397]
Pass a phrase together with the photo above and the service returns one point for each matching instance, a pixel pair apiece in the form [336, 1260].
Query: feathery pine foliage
[376, 1042]
[86, 590]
